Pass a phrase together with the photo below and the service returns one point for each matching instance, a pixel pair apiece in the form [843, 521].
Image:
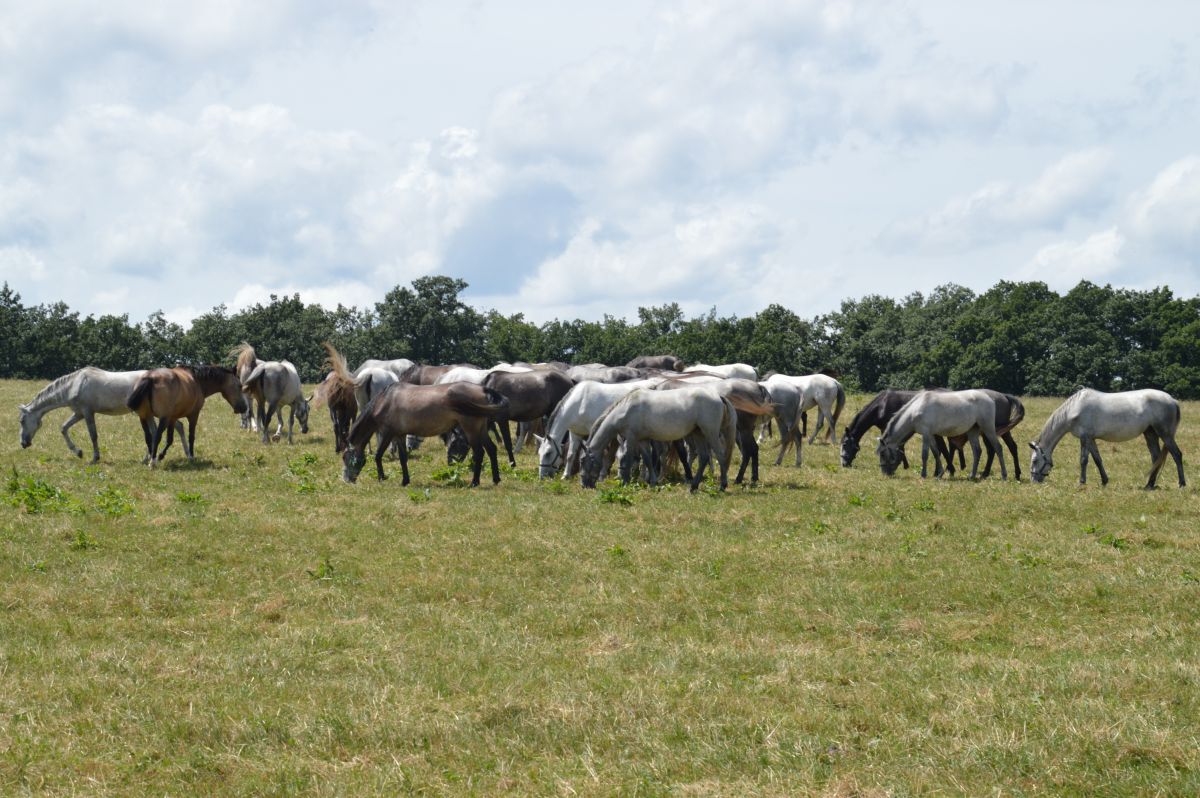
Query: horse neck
[1057, 426]
[605, 430]
[902, 425]
[863, 420]
[361, 431]
[54, 395]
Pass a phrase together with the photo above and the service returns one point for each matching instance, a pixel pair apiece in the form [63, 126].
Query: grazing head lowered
[353, 461]
[550, 456]
[889, 456]
[850, 449]
[30, 422]
[589, 467]
[1041, 462]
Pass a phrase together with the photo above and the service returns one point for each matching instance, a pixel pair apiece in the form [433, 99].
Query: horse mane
[208, 371]
[244, 355]
[53, 390]
[1057, 417]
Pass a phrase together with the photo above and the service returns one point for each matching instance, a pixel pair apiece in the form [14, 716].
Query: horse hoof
[79, 454]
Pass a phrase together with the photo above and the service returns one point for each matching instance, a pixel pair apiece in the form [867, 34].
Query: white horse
[87, 392]
[574, 417]
[476, 376]
[742, 370]
[822, 392]
[398, 366]
[786, 397]
[274, 383]
[1094, 415]
[945, 413]
[664, 416]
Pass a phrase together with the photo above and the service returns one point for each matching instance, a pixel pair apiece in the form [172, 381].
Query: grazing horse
[945, 413]
[87, 392]
[573, 419]
[663, 362]
[245, 361]
[175, 393]
[751, 400]
[877, 413]
[338, 392]
[426, 410]
[531, 395]
[820, 391]
[274, 383]
[665, 416]
[1094, 415]
[428, 375]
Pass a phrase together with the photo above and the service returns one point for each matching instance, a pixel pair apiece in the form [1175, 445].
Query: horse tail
[841, 402]
[253, 378]
[142, 389]
[335, 361]
[493, 404]
[754, 407]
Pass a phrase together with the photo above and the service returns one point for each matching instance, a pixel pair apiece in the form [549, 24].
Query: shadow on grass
[183, 464]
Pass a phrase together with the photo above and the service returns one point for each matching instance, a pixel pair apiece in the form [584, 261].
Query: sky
[570, 160]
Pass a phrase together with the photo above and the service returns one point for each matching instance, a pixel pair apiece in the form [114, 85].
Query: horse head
[1041, 463]
[457, 447]
[29, 425]
[589, 467]
[889, 456]
[550, 456]
[302, 414]
[850, 449]
[353, 461]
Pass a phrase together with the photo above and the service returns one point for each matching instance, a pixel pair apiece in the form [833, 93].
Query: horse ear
[538, 438]
[1033, 446]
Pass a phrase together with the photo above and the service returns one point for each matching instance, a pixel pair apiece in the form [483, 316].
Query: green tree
[429, 323]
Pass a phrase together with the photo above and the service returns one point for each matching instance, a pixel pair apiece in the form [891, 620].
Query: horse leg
[1012, 449]
[75, 418]
[380, 450]
[477, 443]
[946, 450]
[189, 442]
[163, 423]
[1177, 455]
[404, 465]
[820, 424]
[291, 421]
[272, 410]
[508, 446]
[490, 448]
[89, 418]
[937, 470]
[1095, 452]
[148, 434]
[973, 438]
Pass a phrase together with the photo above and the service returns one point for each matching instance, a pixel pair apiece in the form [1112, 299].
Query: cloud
[1166, 214]
[1074, 186]
[1064, 264]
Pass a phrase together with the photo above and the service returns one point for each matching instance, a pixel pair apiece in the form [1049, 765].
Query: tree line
[1017, 337]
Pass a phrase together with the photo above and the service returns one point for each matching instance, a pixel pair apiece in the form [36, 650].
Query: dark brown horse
[175, 393]
[531, 395]
[425, 411]
[664, 362]
[337, 391]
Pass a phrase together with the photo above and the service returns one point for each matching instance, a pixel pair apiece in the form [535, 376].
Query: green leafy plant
[113, 501]
[620, 494]
[419, 496]
[83, 541]
[36, 496]
[453, 475]
[324, 572]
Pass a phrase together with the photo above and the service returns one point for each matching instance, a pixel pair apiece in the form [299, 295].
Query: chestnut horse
[425, 411]
[175, 393]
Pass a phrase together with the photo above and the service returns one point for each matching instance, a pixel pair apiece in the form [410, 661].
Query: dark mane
[206, 372]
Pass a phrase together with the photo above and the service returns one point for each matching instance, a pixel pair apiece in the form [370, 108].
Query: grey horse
[274, 383]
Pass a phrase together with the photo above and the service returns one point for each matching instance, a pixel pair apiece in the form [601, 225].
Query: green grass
[248, 624]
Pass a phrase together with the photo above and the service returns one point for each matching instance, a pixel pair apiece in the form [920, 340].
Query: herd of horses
[586, 418]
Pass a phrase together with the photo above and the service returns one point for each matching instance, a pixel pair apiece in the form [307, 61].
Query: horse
[598, 372]
[175, 393]
[531, 395]
[428, 375]
[786, 399]
[398, 366]
[87, 392]
[820, 391]
[573, 419]
[751, 400]
[274, 383]
[742, 370]
[663, 362]
[945, 413]
[877, 413]
[245, 361]
[1094, 415]
[425, 410]
[475, 375]
[664, 416]
[337, 390]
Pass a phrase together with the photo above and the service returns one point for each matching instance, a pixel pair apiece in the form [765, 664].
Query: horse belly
[1117, 433]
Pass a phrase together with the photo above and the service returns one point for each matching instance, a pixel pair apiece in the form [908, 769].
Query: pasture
[249, 624]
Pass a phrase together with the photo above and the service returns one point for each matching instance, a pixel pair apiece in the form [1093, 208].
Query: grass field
[249, 624]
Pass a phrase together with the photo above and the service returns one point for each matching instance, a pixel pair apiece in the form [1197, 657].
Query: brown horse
[425, 411]
[531, 395]
[338, 392]
[175, 393]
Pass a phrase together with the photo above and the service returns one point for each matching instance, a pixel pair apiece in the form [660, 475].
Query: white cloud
[1166, 214]
[1064, 264]
[1073, 186]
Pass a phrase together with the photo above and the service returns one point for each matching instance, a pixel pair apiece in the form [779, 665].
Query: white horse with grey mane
[1094, 415]
[87, 392]
[743, 370]
[945, 413]
[574, 417]
[273, 384]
